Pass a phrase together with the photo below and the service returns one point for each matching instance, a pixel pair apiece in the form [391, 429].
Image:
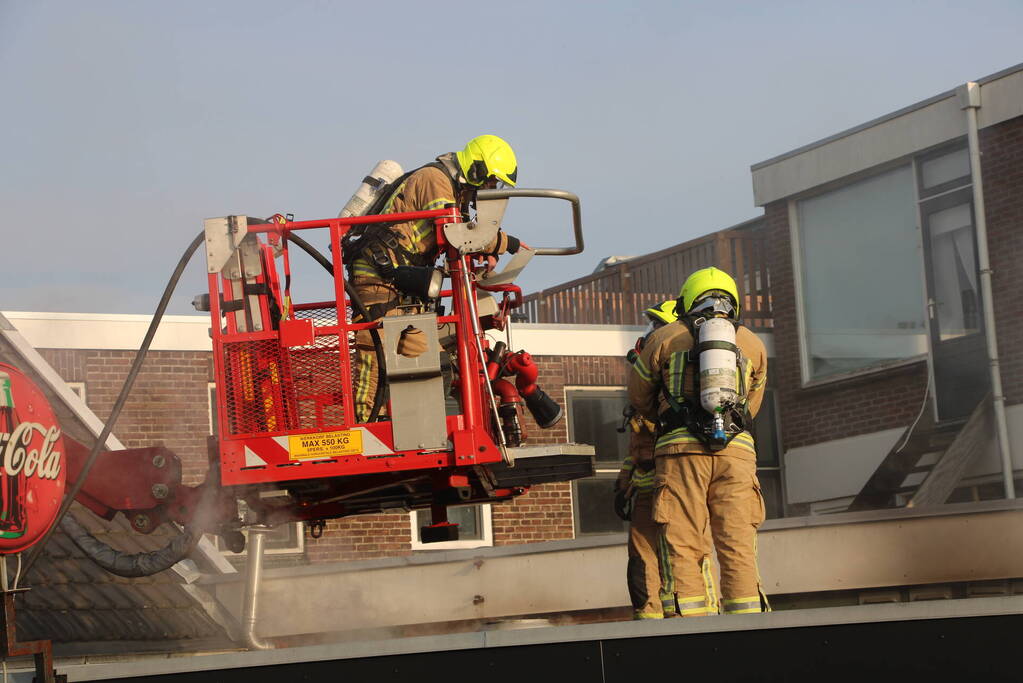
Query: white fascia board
[586, 340]
[885, 140]
[541, 339]
[121, 332]
[877, 145]
[115, 332]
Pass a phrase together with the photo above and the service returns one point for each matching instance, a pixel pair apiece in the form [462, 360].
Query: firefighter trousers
[650, 585]
[692, 491]
[365, 371]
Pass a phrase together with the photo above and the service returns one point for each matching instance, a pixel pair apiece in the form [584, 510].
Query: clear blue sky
[125, 123]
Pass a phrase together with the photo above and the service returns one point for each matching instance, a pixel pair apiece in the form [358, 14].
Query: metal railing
[618, 294]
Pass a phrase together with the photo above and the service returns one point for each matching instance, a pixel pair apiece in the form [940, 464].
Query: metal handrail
[577, 221]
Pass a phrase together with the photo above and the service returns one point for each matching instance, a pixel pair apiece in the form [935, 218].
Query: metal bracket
[471, 237]
[416, 385]
[223, 236]
[507, 275]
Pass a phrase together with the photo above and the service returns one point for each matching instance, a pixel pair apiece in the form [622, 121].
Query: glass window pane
[945, 168]
[954, 263]
[862, 280]
[467, 517]
[594, 418]
[282, 537]
[595, 507]
[765, 432]
[770, 487]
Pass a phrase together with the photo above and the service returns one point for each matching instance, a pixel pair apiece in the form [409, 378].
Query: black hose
[130, 565]
[122, 398]
[353, 296]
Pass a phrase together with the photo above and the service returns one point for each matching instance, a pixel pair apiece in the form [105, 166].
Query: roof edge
[881, 119]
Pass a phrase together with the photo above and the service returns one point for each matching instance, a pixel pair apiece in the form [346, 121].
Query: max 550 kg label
[324, 445]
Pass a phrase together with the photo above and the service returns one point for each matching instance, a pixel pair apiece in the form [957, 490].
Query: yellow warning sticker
[324, 445]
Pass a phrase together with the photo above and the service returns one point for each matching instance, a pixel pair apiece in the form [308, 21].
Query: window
[282, 539]
[769, 466]
[594, 415]
[861, 285]
[475, 529]
[943, 170]
[211, 388]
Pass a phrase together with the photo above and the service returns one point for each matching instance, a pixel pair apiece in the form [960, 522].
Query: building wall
[1002, 165]
[169, 406]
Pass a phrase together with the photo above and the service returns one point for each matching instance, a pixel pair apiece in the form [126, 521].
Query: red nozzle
[522, 366]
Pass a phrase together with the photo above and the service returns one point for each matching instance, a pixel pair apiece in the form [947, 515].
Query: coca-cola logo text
[42, 462]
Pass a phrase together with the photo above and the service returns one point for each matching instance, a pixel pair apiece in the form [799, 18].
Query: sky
[125, 123]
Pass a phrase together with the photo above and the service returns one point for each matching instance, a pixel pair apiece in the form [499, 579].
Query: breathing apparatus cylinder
[383, 174]
[718, 368]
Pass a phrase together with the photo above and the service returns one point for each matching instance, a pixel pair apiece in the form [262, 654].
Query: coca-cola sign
[32, 462]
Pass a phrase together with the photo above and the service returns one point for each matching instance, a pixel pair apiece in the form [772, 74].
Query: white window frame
[598, 472]
[210, 407]
[568, 417]
[486, 539]
[806, 378]
[296, 549]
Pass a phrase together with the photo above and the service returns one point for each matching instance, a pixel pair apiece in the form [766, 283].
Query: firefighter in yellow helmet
[705, 462]
[650, 588]
[387, 263]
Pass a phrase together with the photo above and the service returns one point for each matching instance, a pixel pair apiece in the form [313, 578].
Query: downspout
[969, 98]
[253, 577]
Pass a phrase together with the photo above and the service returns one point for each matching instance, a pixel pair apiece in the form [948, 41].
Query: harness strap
[723, 345]
[377, 239]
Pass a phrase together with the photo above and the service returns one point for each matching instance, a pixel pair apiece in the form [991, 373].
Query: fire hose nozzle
[544, 409]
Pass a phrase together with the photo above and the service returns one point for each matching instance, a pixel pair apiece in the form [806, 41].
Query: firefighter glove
[412, 342]
[623, 504]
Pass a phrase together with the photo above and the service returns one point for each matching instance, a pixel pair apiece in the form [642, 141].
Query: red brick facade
[1002, 166]
[891, 398]
[169, 406]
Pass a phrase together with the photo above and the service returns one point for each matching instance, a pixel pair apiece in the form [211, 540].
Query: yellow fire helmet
[663, 313]
[488, 156]
[704, 281]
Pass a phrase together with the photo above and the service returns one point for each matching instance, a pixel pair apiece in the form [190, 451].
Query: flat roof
[82, 669]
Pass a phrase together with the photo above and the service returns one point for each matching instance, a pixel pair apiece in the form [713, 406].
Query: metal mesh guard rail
[272, 389]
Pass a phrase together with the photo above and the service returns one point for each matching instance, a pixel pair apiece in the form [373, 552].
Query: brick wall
[892, 398]
[1002, 166]
[168, 406]
[361, 538]
[839, 409]
[545, 513]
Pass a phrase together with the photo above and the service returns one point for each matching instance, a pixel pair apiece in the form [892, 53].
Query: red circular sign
[32, 463]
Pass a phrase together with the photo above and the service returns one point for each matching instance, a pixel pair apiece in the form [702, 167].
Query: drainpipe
[253, 577]
[969, 98]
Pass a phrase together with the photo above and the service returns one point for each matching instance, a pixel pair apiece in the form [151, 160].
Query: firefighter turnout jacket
[428, 188]
[697, 488]
[662, 366]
